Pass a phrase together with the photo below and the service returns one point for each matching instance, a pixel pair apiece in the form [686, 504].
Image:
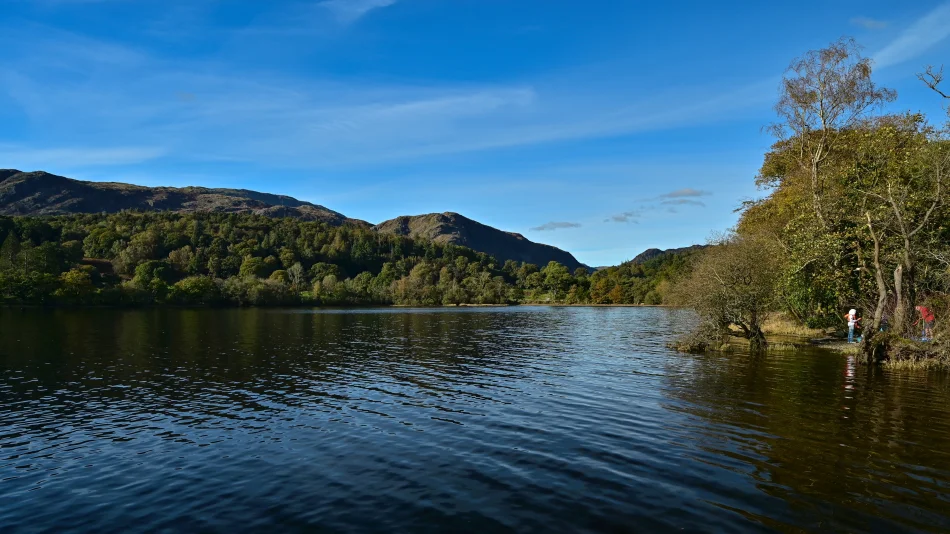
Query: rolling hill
[653, 253]
[40, 193]
[460, 230]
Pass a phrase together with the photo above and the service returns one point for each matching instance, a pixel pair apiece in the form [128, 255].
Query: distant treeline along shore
[245, 259]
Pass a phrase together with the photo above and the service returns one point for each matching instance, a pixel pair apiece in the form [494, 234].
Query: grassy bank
[784, 326]
[906, 354]
[902, 354]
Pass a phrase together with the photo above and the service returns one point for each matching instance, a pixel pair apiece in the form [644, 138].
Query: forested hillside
[136, 258]
[648, 278]
[460, 230]
[42, 193]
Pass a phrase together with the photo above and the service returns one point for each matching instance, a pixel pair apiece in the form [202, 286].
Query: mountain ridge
[43, 193]
[450, 227]
[652, 253]
[39, 193]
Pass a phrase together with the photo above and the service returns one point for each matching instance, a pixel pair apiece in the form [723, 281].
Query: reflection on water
[516, 419]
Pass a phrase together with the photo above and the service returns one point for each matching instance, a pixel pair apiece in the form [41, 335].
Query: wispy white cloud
[349, 11]
[917, 39]
[625, 217]
[65, 157]
[667, 202]
[81, 90]
[118, 95]
[551, 226]
[686, 193]
[68, 2]
[869, 23]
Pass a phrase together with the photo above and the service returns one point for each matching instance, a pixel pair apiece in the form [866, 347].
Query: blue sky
[601, 127]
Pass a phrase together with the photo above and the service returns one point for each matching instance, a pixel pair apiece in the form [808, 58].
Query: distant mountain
[652, 253]
[42, 193]
[459, 230]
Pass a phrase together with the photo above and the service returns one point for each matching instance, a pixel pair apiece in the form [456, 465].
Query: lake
[522, 419]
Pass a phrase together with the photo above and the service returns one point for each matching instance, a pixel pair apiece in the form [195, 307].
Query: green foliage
[733, 284]
[648, 282]
[251, 260]
[9, 250]
[76, 284]
[857, 210]
[251, 266]
[200, 290]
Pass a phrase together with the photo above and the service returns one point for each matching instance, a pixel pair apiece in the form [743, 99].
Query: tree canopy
[136, 258]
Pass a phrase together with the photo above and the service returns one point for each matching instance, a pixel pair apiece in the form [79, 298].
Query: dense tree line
[856, 215]
[135, 258]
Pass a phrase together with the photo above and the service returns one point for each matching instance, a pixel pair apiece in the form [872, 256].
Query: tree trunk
[904, 298]
[910, 290]
[816, 194]
[879, 281]
[756, 336]
[869, 346]
[900, 315]
[875, 347]
[757, 342]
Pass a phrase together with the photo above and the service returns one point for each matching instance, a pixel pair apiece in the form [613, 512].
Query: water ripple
[519, 419]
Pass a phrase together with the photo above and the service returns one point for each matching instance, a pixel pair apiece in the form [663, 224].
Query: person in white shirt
[853, 322]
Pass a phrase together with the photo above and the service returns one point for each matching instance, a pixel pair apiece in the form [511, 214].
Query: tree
[47, 258]
[154, 276]
[280, 276]
[76, 284]
[616, 295]
[327, 290]
[824, 93]
[733, 283]
[287, 257]
[252, 266]
[72, 251]
[557, 278]
[214, 266]
[297, 276]
[181, 258]
[321, 270]
[901, 173]
[9, 250]
[196, 290]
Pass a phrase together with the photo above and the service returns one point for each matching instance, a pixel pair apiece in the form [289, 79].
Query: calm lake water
[480, 420]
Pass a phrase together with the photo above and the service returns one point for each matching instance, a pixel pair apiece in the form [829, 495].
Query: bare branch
[932, 78]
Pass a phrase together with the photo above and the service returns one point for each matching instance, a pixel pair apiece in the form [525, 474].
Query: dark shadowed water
[482, 420]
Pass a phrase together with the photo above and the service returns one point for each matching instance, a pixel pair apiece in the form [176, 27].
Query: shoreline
[901, 355]
[312, 306]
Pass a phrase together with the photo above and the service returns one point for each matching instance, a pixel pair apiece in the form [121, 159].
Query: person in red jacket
[927, 317]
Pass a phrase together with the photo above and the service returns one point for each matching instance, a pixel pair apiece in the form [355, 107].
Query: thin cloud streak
[625, 217]
[349, 11]
[921, 36]
[869, 23]
[551, 226]
[686, 193]
[303, 123]
[32, 159]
